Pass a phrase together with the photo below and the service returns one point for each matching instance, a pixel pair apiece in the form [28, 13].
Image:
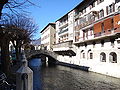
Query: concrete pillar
[24, 76]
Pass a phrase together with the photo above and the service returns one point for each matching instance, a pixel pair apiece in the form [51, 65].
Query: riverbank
[109, 69]
[84, 68]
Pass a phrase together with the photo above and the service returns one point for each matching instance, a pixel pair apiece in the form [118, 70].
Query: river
[65, 78]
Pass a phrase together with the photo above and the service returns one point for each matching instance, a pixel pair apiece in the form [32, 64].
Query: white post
[24, 76]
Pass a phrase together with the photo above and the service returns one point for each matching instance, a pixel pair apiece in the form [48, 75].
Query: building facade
[64, 34]
[89, 35]
[36, 44]
[48, 36]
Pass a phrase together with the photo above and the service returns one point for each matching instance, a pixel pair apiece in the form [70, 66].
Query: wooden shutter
[113, 4]
[116, 20]
[107, 10]
[97, 27]
[108, 25]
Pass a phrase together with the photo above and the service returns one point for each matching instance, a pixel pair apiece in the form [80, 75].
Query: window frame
[113, 57]
[102, 57]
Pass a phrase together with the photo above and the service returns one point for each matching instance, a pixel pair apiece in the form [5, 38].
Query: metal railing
[63, 31]
[63, 44]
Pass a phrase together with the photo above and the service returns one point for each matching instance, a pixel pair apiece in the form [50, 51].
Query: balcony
[65, 48]
[86, 20]
[63, 45]
[100, 35]
[62, 31]
[76, 16]
[63, 25]
[107, 33]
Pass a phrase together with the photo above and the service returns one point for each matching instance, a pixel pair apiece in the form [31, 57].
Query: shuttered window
[97, 27]
[117, 21]
[110, 8]
[101, 13]
[107, 10]
[108, 24]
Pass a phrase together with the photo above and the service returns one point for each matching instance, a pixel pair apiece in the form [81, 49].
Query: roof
[46, 27]
[82, 5]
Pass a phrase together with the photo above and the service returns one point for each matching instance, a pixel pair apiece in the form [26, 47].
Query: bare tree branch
[16, 6]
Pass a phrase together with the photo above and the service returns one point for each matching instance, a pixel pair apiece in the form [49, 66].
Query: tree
[2, 3]
[12, 5]
[20, 29]
[4, 43]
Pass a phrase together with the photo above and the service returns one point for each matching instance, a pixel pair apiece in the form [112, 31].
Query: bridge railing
[30, 53]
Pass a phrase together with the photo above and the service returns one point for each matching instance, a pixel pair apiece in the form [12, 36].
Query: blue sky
[50, 11]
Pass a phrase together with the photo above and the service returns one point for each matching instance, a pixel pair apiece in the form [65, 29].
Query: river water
[65, 78]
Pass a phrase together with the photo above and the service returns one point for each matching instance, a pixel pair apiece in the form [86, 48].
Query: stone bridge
[30, 53]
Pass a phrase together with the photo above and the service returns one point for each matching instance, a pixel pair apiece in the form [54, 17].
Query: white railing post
[24, 76]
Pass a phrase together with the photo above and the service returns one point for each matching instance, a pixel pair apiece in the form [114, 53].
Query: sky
[50, 11]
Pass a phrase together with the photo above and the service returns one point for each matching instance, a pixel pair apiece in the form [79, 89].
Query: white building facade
[89, 36]
[48, 36]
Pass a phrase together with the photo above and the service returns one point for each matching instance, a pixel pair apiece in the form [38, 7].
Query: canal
[65, 78]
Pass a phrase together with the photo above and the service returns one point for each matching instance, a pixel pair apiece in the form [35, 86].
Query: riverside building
[48, 36]
[89, 36]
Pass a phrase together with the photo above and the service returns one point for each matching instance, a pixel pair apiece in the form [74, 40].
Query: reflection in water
[65, 78]
[35, 65]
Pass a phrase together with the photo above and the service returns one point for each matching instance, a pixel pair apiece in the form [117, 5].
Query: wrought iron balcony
[63, 44]
[62, 31]
[76, 16]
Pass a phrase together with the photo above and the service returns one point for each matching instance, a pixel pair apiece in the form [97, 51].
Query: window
[83, 55]
[94, 44]
[86, 34]
[102, 26]
[92, 5]
[110, 8]
[101, 13]
[99, 1]
[102, 43]
[119, 8]
[112, 42]
[85, 44]
[113, 57]
[84, 11]
[76, 12]
[91, 55]
[103, 57]
[59, 40]
[91, 31]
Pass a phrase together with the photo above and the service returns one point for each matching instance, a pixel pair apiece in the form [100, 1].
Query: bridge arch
[52, 57]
